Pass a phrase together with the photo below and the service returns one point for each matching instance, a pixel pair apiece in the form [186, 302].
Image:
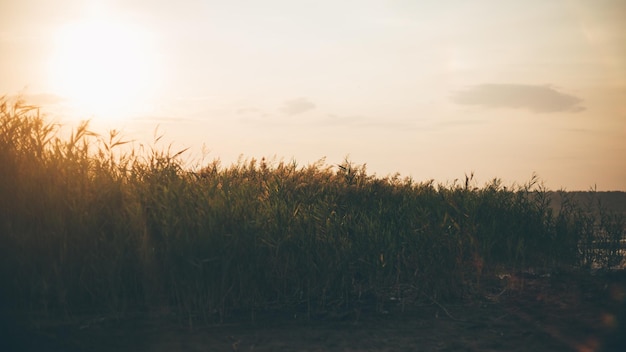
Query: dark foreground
[562, 312]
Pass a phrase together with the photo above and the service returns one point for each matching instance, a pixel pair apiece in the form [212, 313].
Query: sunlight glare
[104, 68]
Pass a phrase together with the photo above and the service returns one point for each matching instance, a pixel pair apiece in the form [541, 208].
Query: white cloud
[536, 98]
[297, 106]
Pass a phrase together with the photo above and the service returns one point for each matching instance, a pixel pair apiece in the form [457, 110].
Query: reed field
[89, 226]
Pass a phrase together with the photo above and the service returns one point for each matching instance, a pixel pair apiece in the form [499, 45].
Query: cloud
[361, 121]
[536, 98]
[200, 98]
[297, 106]
[163, 119]
[243, 111]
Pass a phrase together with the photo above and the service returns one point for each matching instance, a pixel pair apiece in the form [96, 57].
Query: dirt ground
[560, 312]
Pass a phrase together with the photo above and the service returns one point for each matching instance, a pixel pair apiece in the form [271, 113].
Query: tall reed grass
[89, 228]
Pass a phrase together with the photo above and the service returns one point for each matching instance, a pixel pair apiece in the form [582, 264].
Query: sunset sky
[429, 89]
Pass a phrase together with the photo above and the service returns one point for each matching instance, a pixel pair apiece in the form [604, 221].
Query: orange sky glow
[428, 89]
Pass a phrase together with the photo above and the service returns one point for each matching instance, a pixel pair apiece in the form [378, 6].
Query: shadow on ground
[560, 312]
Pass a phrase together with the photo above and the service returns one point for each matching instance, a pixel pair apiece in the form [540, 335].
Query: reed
[88, 227]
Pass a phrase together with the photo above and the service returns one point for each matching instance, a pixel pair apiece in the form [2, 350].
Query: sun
[104, 68]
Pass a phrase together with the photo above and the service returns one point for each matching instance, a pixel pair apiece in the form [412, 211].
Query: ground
[522, 312]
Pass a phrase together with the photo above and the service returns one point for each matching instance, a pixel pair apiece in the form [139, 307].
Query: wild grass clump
[86, 227]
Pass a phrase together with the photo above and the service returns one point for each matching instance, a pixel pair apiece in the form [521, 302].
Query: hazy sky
[429, 89]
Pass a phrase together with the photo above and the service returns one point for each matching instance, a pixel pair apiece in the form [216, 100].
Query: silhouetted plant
[87, 226]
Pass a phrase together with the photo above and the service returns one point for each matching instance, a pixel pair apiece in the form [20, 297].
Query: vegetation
[88, 227]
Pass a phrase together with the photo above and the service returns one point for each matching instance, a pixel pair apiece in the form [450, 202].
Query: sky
[427, 89]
